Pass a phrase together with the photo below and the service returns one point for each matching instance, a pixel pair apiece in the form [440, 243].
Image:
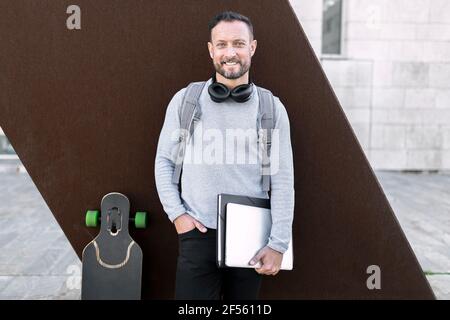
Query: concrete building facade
[392, 76]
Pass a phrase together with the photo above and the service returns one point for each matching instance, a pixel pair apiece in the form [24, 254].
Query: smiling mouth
[230, 63]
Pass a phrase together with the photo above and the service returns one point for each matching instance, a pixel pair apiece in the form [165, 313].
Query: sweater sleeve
[282, 181]
[168, 192]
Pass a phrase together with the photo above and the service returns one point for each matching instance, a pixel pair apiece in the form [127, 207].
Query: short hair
[230, 16]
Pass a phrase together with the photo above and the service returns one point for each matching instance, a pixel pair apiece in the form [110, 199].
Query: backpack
[190, 112]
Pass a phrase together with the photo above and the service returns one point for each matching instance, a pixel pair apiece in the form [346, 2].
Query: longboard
[112, 262]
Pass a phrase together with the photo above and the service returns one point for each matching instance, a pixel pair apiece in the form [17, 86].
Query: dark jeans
[198, 276]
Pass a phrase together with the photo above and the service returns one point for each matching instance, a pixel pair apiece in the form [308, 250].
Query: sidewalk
[37, 261]
[421, 203]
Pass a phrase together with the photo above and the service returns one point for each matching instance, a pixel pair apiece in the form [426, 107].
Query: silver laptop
[247, 230]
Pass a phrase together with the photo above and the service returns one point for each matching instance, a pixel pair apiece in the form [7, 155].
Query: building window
[332, 26]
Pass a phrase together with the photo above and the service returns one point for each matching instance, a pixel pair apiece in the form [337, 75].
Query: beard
[232, 75]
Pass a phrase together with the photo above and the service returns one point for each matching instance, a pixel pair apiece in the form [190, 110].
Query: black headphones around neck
[220, 92]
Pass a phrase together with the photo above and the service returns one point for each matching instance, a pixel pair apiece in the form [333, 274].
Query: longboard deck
[84, 108]
[112, 262]
[104, 282]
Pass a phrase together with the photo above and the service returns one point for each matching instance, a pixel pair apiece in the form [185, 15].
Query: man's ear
[253, 45]
[210, 49]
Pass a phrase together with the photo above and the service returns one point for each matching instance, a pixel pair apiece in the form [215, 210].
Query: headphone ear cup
[218, 92]
[241, 93]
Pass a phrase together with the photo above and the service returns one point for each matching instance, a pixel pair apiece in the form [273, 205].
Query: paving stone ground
[37, 261]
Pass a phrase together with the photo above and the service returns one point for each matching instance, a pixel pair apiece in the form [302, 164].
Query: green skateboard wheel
[92, 217]
[140, 220]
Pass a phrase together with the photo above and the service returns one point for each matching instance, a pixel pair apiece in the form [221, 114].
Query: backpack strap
[267, 123]
[190, 111]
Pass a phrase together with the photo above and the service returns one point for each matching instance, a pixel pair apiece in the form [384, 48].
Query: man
[194, 210]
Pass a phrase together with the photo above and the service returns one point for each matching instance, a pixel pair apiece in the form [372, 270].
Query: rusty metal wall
[84, 108]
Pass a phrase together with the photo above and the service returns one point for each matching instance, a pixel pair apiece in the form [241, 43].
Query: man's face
[231, 48]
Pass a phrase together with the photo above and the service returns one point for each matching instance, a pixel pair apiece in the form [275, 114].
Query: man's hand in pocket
[186, 223]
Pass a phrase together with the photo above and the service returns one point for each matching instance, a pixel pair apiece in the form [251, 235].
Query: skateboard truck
[114, 221]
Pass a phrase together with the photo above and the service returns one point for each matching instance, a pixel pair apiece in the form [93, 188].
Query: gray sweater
[222, 157]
